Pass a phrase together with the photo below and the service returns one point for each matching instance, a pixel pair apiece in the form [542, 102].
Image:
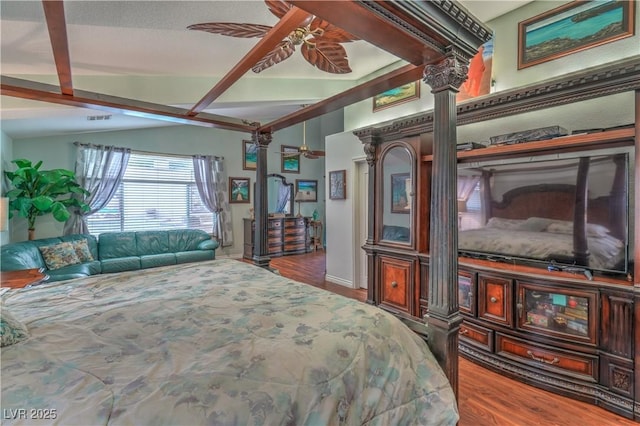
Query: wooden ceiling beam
[354, 18]
[56, 24]
[393, 79]
[36, 91]
[289, 22]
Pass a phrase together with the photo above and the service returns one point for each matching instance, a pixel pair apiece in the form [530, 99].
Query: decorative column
[260, 203]
[443, 317]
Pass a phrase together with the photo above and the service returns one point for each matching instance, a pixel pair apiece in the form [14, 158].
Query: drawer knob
[464, 331]
[394, 284]
[534, 357]
[493, 299]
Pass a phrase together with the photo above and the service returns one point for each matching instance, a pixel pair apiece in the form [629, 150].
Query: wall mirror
[280, 195]
[397, 194]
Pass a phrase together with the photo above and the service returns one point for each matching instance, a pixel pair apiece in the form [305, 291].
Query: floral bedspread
[219, 342]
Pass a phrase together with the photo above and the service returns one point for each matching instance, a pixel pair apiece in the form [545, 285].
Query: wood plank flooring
[485, 398]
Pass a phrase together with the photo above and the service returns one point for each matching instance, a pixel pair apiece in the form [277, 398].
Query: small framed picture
[399, 95]
[306, 190]
[249, 155]
[290, 157]
[400, 193]
[239, 190]
[338, 185]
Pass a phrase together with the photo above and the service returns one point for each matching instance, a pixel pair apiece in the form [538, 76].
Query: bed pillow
[11, 330]
[502, 223]
[535, 224]
[82, 250]
[59, 255]
[566, 227]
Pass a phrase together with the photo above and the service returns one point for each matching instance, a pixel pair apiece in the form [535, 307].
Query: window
[157, 192]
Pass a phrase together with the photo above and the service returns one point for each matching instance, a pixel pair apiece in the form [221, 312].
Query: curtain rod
[137, 151]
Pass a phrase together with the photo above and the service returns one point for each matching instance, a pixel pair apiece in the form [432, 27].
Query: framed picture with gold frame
[573, 27]
[399, 95]
[249, 155]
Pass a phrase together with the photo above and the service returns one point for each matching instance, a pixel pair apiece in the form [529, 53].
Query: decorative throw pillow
[11, 330]
[59, 255]
[82, 250]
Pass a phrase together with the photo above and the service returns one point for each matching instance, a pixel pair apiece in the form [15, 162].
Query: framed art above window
[573, 27]
[399, 95]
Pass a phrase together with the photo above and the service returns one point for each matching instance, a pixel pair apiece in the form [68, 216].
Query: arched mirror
[397, 195]
[280, 195]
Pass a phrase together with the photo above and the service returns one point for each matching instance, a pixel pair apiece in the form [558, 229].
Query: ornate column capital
[449, 73]
[262, 139]
[370, 151]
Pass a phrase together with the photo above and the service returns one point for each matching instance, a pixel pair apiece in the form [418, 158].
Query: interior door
[362, 208]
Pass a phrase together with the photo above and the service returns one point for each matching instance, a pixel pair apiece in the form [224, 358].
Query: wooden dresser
[285, 236]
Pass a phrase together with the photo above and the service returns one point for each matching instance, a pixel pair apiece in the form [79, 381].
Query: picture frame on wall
[306, 190]
[338, 185]
[396, 96]
[573, 27]
[290, 159]
[249, 155]
[239, 190]
[400, 197]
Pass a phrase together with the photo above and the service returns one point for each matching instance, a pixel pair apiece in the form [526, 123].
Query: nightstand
[22, 278]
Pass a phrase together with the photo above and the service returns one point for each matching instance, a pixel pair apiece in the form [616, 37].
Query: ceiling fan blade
[327, 56]
[317, 153]
[232, 29]
[277, 55]
[278, 7]
[330, 32]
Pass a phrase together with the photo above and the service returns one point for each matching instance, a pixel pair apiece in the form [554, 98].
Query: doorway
[360, 210]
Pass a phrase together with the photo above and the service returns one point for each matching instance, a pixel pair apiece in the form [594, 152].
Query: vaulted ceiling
[138, 62]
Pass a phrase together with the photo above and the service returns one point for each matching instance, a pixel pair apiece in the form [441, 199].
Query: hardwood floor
[485, 398]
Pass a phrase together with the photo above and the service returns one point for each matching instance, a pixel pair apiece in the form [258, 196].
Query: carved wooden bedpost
[370, 140]
[260, 203]
[444, 318]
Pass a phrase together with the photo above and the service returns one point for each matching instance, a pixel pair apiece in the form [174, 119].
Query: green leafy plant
[38, 192]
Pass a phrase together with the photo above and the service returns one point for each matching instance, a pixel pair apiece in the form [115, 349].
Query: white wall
[59, 152]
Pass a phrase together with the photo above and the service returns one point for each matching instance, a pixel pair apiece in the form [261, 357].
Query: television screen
[564, 213]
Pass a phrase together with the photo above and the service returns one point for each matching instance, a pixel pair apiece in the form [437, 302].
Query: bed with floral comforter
[220, 342]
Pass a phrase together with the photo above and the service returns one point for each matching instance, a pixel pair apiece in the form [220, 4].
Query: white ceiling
[112, 41]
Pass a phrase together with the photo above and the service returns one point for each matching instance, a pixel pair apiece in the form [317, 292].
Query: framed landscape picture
[290, 158]
[239, 190]
[249, 155]
[308, 190]
[572, 27]
[399, 95]
[337, 185]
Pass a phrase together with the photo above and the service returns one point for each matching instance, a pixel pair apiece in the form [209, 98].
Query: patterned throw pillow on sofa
[59, 255]
[82, 250]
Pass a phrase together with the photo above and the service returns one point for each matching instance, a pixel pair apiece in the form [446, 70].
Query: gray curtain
[284, 194]
[99, 169]
[211, 182]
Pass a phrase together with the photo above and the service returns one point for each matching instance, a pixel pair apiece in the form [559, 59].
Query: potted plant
[38, 192]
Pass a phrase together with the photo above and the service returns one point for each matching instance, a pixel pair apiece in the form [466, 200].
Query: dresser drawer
[495, 299]
[581, 366]
[477, 336]
[397, 288]
[275, 224]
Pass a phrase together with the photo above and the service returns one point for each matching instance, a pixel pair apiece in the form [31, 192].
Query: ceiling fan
[304, 150]
[320, 40]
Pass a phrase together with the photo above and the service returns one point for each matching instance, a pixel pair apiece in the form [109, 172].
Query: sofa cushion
[92, 243]
[186, 239]
[22, 255]
[152, 242]
[153, 260]
[130, 263]
[75, 271]
[59, 255]
[114, 245]
[194, 256]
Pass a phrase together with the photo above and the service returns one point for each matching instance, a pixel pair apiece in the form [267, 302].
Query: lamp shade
[462, 206]
[4, 214]
[299, 196]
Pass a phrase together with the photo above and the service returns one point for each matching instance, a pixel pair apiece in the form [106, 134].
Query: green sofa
[114, 252]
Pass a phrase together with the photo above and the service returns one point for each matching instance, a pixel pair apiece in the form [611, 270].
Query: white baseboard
[338, 280]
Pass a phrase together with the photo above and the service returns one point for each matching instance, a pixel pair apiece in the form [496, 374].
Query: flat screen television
[562, 212]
